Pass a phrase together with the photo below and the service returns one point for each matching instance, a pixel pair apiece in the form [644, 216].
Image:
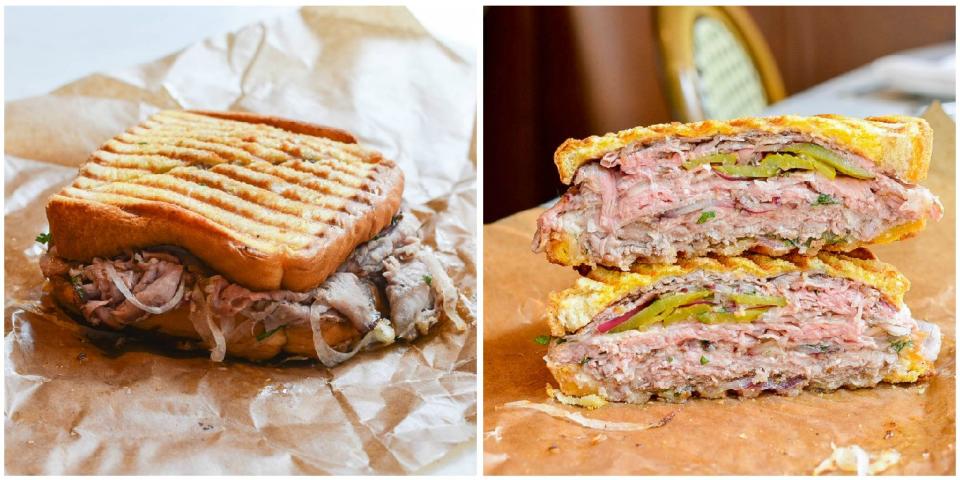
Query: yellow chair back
[716, 63]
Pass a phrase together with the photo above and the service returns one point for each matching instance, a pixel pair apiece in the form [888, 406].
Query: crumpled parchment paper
[75, 408]
[770, 435]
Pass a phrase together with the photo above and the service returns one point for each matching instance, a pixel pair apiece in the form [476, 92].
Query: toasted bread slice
[269, 203]
[900, 146]
[569, 310]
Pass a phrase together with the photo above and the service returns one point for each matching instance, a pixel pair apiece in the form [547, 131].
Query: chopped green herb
[43, 238]
[808, 242]
[790, 242]
[263, 336]
[706, 216]
[900, 344]
[77, 283]
[542, 339]
[824, 199]
[831, 238]
[428, 279]
[584, 361]
[670, 359]
[141, 143]
[704, 360]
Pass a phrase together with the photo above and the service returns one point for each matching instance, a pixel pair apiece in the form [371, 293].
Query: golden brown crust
[563, 248]
[294, 126]
[900, 146]
[569, 310]
[292, 339]
[278, 221]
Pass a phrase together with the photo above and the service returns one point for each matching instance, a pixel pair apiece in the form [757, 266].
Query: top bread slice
[900, 146]
[569, 310]
[269, 203]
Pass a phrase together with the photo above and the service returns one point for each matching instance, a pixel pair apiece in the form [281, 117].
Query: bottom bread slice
[716, 331]
[392, 287]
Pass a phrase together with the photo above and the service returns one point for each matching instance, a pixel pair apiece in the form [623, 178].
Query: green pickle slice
[724, 158]
[830, 158]
[685, 313]
[747, 171]
[666, 304]
[782, 162]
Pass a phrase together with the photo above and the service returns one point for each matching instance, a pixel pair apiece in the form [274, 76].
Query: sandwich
[713, 326]
[252, 236]
[773, 186]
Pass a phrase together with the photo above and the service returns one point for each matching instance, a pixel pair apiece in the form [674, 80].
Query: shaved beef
[390, 266]
[643, 206]
[833, 332]
[412, 300]
[352, 298]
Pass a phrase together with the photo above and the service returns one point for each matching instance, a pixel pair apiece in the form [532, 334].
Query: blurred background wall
[553, 73]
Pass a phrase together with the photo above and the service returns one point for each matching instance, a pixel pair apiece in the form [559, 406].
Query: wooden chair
[716, 63]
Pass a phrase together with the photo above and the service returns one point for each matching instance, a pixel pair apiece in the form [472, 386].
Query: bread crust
[569, 310]
[900, 146]
[82, 229]
[292, 339]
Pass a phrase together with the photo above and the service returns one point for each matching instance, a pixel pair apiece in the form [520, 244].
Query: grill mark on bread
[156, 163]
[234, 128]
[259, 196]
[204, 201]
[293, 192]
[187, 181]
[290, 205]
[119, 198]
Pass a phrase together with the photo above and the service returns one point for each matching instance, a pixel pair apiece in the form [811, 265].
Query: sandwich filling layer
[711, 334]
[771, 194]
[392, 287]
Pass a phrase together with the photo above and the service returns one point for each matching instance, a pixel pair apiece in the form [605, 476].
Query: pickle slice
[685, 313]
[724, 158]
[830, 158]
[663, 305]
[783, 162]
[757, 300]
[747, 171]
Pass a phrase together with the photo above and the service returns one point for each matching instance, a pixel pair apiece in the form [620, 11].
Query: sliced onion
[444, 287]
[594, 423]
[202, 319]
[329, 357]
[115, 278]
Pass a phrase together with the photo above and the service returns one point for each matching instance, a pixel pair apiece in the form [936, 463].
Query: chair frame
[676, 54]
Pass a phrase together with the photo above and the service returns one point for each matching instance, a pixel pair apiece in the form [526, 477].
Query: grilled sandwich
[774, 186]
[254, 235]
[712, 326]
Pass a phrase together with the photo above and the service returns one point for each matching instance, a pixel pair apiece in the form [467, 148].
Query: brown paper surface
[766, 435]
[74, 408]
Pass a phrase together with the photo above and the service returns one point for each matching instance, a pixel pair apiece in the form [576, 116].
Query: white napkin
[932, 77]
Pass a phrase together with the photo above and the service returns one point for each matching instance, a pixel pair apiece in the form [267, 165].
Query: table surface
[49, 46]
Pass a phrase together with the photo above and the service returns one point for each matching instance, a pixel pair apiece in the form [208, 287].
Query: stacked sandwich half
[727, 257]
[254, 236]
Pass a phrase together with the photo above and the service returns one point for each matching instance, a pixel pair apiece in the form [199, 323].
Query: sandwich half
[253, 235]
[714, 326]
[773, 185]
